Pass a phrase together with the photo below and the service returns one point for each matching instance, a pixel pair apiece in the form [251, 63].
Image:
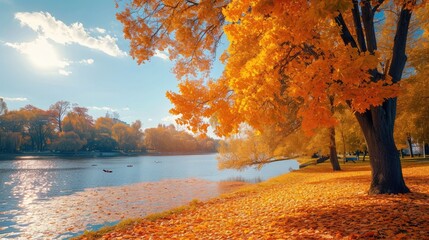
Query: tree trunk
[410, 145]
[344, 145]
[424, 149]
[333, 150]
[377, 125]
[60, 128]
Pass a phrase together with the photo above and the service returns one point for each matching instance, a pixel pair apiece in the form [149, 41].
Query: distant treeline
[69, 128]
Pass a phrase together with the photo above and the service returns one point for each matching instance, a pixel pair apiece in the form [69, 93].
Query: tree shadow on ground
[368, 217]
[327, 168]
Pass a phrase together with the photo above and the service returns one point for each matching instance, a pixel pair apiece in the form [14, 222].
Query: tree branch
[399, 58]
[345, 32]
[368, 23]
[358, 26]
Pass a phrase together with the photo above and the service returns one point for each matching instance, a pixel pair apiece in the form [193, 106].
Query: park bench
[353, 159]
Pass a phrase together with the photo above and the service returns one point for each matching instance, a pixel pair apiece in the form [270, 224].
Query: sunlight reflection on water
[73, 213]
[57, 198]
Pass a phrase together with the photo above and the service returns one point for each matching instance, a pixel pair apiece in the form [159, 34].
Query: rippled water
[58, 198]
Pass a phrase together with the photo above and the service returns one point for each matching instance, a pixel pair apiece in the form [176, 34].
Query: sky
[75, 51]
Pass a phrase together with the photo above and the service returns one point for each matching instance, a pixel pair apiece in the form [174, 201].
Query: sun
[43, 55]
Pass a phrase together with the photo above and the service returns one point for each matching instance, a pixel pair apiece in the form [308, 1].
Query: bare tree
[58, 111]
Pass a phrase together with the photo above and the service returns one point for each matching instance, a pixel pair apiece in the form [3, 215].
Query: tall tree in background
[350, 136]
[413, 115]
[168, 139]
[80, 122]
[13, 126]
[67, 142]
[3, 106]
[39, 128]
[58, 111]
[282, 55]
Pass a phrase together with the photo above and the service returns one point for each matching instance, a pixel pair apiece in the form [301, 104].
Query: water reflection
[54, 198]
[64, 216]
[28, 186]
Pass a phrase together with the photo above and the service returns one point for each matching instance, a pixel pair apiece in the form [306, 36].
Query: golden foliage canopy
[284, 61]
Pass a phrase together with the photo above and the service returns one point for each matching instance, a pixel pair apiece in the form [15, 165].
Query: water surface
[57, 198]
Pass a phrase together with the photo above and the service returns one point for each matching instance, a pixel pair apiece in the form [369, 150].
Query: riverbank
[311, 203]
[89, 154]
[81, 154]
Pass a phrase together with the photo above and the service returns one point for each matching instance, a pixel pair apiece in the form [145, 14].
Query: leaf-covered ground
[312, 203]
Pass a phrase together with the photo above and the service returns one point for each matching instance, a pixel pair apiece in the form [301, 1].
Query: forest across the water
[66, 128]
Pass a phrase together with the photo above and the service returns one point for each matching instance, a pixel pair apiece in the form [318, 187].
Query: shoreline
[84, 154]
[100, 207]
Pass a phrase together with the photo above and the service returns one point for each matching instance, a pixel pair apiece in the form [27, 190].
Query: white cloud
[47, 26]
[100, 30]
[16, 99]
[88, 61]
[103, 108]
[149, 119]
[163, 55]
[41, 51]
[64, 72]
[109, 109]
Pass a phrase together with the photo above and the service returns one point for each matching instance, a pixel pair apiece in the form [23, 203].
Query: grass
[104, 230]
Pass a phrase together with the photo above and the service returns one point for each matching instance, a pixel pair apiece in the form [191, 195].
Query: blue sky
[75, 51]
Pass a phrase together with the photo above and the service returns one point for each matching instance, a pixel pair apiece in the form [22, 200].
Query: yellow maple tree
[285, 60]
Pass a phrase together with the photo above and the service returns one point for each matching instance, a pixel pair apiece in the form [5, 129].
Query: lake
[55, 198]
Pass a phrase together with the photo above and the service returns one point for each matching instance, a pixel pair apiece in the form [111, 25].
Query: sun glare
[43, 55]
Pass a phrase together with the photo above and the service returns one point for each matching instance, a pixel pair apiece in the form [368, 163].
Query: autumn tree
[68, 142]
[39, 128]
[416, 115]
[80, 122]
[412, 106]
[12, 131]
[104, 125]
[282, 55]
[167, 139]
[3, 134]
[135, 136]
[350, 137]
[58, 111]
[103, 139]
[255, 148]
[128, 137]
[119, 133]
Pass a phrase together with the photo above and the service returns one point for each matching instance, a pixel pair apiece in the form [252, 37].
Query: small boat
[130, 165]
[107, 171]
